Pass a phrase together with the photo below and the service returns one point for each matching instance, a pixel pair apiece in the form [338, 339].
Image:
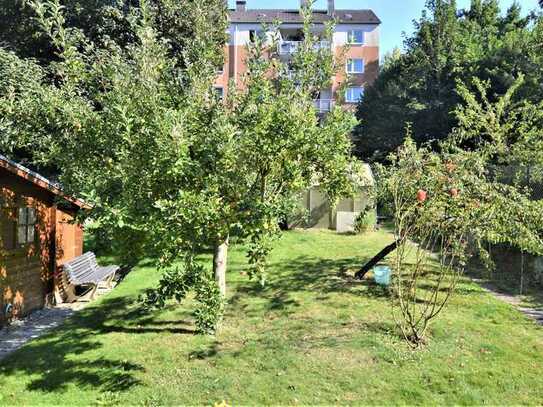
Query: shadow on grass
[74, 354]
[210, 351]
[322, 277]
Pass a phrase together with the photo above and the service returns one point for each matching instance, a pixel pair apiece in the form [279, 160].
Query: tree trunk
[220, 259]
[378, 257]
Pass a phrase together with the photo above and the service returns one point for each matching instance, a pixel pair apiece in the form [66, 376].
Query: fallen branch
[376, 259]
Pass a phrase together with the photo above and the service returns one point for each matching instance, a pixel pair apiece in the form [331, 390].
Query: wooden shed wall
[26, 272]
[69, 237]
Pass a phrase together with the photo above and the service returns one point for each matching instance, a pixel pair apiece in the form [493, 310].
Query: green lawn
[312, 336]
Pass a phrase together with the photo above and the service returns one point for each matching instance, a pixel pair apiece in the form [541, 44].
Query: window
[219, 91]
[26, 226]
[7, 226]
[355, 37]
[353, 95]
[256, 34]
[355, 66]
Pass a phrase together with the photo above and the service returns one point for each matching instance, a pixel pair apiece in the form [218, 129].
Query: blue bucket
[381, 274]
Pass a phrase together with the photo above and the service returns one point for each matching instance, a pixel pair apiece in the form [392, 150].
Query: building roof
[294, 16]
[39, 180]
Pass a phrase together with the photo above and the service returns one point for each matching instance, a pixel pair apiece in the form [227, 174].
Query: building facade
[355, 39]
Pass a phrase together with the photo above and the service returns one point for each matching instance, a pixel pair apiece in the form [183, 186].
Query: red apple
[421, 195]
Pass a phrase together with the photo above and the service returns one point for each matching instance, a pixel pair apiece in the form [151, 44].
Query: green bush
[366, 221]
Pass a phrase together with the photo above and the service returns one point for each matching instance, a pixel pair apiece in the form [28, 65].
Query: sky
[396, 15]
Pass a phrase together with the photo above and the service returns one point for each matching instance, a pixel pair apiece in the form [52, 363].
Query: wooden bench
[84, 270]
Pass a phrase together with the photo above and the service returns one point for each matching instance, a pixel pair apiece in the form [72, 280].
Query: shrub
[366, 221]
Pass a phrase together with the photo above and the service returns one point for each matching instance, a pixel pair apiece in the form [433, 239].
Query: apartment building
[359, 29]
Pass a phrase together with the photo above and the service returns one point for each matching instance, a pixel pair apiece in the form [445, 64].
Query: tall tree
[171, 169]
[448, 45]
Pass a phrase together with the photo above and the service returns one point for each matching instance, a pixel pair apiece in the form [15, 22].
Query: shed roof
[39, 180]
[294, 16]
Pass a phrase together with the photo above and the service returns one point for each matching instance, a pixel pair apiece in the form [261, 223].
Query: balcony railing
[324, 105]
[290, 47]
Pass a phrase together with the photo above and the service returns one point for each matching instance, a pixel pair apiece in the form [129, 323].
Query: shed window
[7, 222]
[26, 226]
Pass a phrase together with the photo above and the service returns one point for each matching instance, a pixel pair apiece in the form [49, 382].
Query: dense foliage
[448, 45]
[105, 21]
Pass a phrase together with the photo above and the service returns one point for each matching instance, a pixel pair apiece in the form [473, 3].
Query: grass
[312, 336]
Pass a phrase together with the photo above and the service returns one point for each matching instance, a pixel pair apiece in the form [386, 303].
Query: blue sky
[397, 15]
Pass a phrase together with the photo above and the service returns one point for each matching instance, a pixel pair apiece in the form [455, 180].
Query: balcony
[323, 105]
[290, 47]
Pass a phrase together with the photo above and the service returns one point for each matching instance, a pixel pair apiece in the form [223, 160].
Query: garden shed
[37, 235]
[316, 211]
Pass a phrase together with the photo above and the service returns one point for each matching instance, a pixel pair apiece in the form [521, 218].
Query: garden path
[38, 323]
[533, 313]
